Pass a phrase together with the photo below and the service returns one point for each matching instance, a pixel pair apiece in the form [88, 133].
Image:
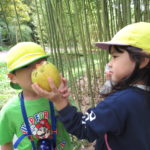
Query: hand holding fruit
[57, 95]
[49, 84]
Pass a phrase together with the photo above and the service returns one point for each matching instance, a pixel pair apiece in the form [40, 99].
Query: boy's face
[23, 76]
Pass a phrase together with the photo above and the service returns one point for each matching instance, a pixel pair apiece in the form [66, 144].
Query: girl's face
[121, 65]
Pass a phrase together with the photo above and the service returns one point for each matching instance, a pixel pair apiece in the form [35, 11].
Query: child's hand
[58, 96]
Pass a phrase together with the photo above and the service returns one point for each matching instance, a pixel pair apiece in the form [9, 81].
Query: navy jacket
[124, 116]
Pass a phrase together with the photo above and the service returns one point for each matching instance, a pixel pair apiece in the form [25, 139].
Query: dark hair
[139, 74]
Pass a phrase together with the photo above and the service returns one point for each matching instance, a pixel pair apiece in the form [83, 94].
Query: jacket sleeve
[95, 122]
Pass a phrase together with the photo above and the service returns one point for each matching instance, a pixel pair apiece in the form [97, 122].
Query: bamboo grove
[67, 29]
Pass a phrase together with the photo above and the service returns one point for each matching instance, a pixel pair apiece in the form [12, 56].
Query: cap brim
[106, 45]
[27, 62]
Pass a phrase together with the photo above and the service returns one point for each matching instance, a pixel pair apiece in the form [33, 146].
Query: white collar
[143, 87]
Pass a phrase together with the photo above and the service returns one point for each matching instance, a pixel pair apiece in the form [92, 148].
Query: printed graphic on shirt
[88, 117]
[40, 127]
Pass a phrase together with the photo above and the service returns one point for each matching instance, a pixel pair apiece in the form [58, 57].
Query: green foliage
[4, 48]
[11, 14]
[25, 30]
[3, 32]
[6, 91]
[13, 35]
[7, 9]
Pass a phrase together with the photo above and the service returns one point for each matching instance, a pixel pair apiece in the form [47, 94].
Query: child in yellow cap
[29, 116]
[122, 120]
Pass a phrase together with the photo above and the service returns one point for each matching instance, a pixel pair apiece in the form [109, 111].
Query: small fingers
[63, 83]
[35, 87]
[66, 95]
[39, 90]
[52, 85]
[64, 90]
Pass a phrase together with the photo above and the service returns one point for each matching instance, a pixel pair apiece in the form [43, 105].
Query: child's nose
[110, 64]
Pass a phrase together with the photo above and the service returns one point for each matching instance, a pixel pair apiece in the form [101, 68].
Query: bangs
[129, 49]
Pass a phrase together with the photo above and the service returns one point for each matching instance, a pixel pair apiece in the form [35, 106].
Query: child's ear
[12, 78]
[144, 62]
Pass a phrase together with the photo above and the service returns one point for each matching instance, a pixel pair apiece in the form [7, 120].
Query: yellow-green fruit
[41, 74]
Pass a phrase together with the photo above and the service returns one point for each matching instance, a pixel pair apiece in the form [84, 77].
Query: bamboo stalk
[18, 23]
[39, 23]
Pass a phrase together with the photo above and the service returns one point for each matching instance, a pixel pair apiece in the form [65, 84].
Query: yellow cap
[22, 54]
[136, 34]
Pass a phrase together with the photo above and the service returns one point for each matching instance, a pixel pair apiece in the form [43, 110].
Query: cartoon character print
[42, 130]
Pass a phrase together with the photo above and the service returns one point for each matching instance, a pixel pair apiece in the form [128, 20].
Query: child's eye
[114, 56]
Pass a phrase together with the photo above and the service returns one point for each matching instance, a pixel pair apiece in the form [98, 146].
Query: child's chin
[113, 81]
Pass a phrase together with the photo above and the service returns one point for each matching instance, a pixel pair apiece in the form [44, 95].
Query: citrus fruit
[42, 72]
